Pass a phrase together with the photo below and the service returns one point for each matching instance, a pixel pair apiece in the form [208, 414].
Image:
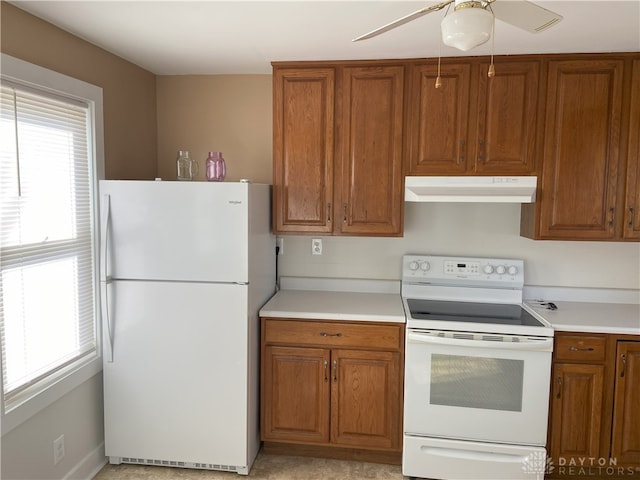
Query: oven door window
[496, 383]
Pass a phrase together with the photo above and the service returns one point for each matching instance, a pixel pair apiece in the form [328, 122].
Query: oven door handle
[544, 345]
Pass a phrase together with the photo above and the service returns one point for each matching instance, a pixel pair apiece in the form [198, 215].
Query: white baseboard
[89, 466]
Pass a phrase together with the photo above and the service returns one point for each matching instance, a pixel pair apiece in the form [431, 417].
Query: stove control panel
[471, 271]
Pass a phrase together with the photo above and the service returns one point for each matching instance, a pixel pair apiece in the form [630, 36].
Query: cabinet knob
[480, 151]
[612, 216]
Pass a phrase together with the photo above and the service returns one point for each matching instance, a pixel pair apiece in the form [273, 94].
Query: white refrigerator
[185, 268]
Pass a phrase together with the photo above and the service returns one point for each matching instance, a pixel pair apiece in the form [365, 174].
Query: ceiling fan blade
[403, 20]
[526, 15]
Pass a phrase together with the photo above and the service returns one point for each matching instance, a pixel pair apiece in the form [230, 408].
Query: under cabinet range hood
[476, 189]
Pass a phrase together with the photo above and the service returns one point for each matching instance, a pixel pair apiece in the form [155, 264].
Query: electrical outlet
[280, 245]
[58, 449]
[316, 246]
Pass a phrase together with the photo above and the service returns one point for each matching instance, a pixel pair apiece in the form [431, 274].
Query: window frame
[42, 79]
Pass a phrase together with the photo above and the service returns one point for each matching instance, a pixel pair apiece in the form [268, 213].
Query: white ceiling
[227, 37]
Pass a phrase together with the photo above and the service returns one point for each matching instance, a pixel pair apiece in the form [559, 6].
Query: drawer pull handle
[623, 357]
[579, 349]
[559, 381]
[325, 334]
[326, 377]
[335, 371]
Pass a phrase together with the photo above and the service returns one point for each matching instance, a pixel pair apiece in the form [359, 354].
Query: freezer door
[177, 388]
[185, 231]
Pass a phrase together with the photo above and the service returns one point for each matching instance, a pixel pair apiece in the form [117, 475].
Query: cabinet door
[295, 394]
[632, 204]
[438, 125]
[581, 149]
[303, 116]
[507, 119]
[576, 411]
[366, 399]
[626, 405]
[370, 198]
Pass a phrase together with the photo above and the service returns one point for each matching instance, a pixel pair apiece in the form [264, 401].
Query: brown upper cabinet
[581, 193]
[338, 134]
[632, 200]
[473, 124]
[345, 134]
[369, 182]
[303, 152]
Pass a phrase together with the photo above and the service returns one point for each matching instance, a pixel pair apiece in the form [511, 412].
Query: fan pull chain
[438, 79]
[492, 69]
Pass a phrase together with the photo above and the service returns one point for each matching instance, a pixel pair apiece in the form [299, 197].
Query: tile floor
[266, 467]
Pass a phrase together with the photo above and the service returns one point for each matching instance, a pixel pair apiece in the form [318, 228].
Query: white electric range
[477, 371]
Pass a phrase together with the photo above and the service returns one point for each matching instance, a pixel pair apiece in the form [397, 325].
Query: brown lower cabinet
[332, 389]
[594, 421]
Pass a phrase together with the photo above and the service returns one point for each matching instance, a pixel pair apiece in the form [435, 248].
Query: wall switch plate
[316, 246]
[58, 449]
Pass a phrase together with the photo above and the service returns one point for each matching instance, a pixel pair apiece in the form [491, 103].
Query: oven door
[492, 388]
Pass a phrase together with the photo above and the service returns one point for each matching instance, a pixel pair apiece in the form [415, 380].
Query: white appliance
[476, 189]
[185, 267]
[477, 371]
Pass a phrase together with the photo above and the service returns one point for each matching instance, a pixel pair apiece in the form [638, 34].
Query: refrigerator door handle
[105, 220]
[106, 321]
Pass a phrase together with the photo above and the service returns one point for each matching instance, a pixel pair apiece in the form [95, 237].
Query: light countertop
[380, 301]
[330, 305]
[620, 318]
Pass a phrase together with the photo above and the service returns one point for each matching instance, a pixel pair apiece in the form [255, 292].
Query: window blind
[47, 278]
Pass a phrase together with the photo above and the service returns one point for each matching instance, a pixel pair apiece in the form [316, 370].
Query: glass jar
[187, 168]
[216, 168]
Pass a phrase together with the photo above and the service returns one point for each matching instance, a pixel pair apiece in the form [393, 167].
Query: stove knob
[500, 269]
[488, 269]
[512, 270]
[425, 266]
[414, 265]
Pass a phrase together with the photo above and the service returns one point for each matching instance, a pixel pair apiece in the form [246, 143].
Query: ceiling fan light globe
[467, 28]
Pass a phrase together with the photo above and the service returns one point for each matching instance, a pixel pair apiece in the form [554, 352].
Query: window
[48, 238]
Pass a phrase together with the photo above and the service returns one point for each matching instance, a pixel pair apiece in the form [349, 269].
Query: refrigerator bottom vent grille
[173, 463]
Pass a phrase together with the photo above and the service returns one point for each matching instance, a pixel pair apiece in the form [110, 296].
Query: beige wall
[129, 92]
[226, 113]
[27, 451]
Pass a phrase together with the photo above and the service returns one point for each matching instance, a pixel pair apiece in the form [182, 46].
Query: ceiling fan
[471, 22]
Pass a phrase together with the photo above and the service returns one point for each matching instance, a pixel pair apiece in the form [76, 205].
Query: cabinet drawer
[591, 348]
[332, 334]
